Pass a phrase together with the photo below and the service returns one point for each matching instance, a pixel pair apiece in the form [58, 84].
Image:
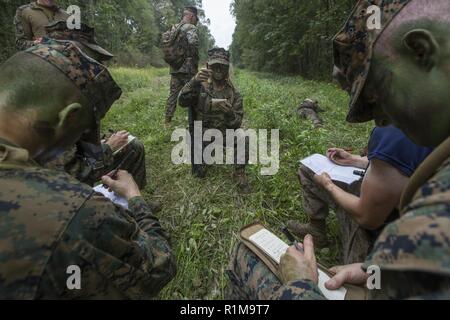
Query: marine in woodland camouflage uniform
[181, 75]
[414, 251]
[30, 22]
[200, 95]
[85, 161]
[309, 110]
[50, 221]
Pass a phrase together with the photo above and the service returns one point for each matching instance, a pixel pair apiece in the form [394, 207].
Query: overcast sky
[222, 22]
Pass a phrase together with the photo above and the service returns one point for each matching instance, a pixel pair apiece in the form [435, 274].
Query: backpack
[173, 46]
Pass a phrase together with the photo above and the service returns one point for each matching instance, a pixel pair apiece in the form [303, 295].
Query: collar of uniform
[12, 153]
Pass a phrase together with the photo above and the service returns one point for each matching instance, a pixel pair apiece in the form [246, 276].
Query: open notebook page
[274, 247]
[320, 164]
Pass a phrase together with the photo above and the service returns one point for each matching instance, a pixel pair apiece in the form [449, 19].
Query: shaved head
[40, 108]
[410, 73]
[416, 14]
[26, 81]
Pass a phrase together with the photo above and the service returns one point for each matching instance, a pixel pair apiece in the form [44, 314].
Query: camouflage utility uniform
[30, 22]
[180, 76]
[199, 96]
[413, 252]
[89, 166]
[88, 163]
[309, 110]
[49, 221]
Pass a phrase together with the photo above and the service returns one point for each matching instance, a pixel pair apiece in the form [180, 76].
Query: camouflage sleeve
[24, 35]
[236, 117]
[189, 94]
[298, 290]
[193, 41]
[122, 254]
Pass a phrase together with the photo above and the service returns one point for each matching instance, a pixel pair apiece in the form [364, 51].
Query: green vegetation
[288, 36]
[204, 216]
[130, 29]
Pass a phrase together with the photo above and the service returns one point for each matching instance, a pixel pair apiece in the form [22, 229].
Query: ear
[70, 116]
[423, 45]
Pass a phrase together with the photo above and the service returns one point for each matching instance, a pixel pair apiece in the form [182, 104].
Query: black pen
[119, 167]
[291, 239]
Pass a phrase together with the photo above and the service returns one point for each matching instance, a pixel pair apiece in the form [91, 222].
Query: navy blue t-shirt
[391, 145]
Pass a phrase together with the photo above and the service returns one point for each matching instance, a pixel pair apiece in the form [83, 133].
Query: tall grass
[204, 216]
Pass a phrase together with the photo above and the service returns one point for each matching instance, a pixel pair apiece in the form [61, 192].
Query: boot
[240, 178]
[316, 228]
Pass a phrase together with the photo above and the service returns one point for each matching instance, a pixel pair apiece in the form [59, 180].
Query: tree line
[287, 36]
[130, 29]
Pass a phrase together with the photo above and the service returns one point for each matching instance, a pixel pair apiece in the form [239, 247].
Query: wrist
[329, 186]
[133, 194]
[360, 162]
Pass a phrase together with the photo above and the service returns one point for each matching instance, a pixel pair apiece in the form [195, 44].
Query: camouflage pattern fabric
[177, 82]
[356, 241]
[251, 279]
[310, 114]
[309, 110]
[92, 78]
[191, 45]
[353, 50]
[30, 22]
[182, 75]
[414, 252]
[49, 221]
[200, 97]
[90, 171]
[83, 38]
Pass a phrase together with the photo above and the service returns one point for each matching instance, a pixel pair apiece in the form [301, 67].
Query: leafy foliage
[130, 29]
[287, 36]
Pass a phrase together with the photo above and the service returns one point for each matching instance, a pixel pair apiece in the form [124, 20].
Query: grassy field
[204, 216]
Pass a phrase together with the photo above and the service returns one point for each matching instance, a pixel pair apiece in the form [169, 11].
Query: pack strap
[424, 173]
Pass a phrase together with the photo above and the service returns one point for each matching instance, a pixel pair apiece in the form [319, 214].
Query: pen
[291, 239]
[116, 171]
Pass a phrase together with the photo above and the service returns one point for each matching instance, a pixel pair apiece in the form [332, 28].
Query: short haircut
[417, 14]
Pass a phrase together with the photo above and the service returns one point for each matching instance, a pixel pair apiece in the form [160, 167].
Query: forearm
[154, 242]
[347, 201]
[361, 162]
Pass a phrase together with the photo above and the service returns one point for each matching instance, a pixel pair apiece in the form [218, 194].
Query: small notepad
[274, 247]
[117, 200]
[320, 164]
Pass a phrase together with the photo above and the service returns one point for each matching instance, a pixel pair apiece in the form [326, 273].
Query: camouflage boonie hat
[353, 50]
[218, 56]
[90, 77]
[85, 36]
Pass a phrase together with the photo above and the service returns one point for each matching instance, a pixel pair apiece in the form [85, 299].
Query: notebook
[269, 248]
[320, 164]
